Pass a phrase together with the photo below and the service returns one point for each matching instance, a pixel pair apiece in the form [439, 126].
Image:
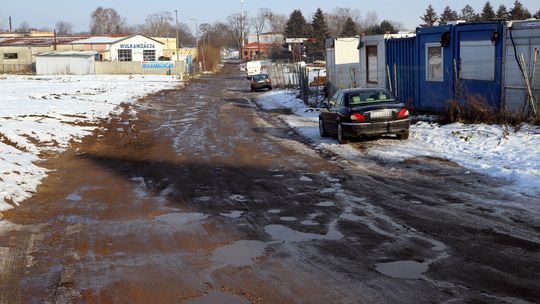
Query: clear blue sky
[45, 13]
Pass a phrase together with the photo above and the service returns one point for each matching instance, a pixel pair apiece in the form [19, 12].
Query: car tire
[322, 130]
[340, 136]
[269, 88]
[403, 136]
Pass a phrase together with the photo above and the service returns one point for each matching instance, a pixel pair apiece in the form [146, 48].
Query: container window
[149, 55]
[124, 55]
[477, 60]
[434, 62]
[11, 55]
[372, 64]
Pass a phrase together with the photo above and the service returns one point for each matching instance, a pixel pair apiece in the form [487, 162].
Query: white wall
[377, 41]
[137, 44]
[343, 65]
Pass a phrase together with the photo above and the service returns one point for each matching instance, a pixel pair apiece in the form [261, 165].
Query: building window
[372, 70]
[434, 62]
[124, 55]
[11, 55]
[477, 60]
[149, 55]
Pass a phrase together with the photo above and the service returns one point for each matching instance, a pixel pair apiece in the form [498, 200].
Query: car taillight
[403, 113]
[357, 117]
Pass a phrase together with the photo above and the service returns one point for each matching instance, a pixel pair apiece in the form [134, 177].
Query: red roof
[256, 45]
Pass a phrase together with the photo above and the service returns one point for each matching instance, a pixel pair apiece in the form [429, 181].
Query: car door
[333, 113]
[325, 112]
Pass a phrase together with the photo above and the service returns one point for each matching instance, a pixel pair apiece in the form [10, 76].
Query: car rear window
[358, 98]
[260, 77]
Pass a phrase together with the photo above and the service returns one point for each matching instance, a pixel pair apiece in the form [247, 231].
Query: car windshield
[260, 77]
[372, 96]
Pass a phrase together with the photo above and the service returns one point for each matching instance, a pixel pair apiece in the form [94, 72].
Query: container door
[479, 55]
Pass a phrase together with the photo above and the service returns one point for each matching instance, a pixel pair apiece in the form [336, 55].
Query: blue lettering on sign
[157, 64]
[138, 46]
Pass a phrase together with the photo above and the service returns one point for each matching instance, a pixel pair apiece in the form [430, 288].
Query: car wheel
[322, 131]
[403, 136]
[269, 88]
[340, 136]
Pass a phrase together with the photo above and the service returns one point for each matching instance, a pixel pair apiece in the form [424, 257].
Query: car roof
[356, 90]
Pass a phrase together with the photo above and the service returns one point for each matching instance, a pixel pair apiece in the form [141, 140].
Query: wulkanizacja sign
[158, 64]
[138, 46]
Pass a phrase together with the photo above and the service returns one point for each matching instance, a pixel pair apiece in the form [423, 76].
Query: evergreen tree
[297, 26]
[430, 17]
[349, 28]
[488, 13]
[502, 13]
[468, 14]
[537, 15]
[320, 33]
[383, 28]
[518, 12]
[448, 15]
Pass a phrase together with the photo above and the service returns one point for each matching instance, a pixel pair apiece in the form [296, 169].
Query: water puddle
[403, 269]
[232, 214]
[326, 204]
[240, 253]
[180, 219]
[286, 234]
[218, 297]
[288, 218]
[74, 197]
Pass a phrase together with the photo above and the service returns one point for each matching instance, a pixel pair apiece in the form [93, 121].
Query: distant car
[260, 81]
[363, 112]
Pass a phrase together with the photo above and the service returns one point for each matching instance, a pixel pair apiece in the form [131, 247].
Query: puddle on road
[326, 204]
[74, 197]
[288, 218]
[218, 297]
[240, 253]
[286, 234]
[180, 219]
[232, 214]
[403, 269]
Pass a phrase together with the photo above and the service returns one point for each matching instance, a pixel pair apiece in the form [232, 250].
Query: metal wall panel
[401, 63]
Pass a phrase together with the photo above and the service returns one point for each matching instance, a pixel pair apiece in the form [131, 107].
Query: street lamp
[176, 13]
[197, 42]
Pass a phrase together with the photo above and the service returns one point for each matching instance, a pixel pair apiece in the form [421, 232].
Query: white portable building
[342, 64]
[372, 52]
[66, 63]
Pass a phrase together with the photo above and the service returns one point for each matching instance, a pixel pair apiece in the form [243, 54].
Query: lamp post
[242, 21]
[197, 42]
[176, 13]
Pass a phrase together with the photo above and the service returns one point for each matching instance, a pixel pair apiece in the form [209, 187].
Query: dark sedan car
[261, 81]
[363, 112]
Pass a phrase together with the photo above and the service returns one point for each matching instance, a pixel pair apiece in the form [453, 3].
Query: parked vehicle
[253, 68]
[261, 81]
[363, 112]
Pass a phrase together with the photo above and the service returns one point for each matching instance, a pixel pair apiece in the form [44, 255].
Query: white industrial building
[131, 48]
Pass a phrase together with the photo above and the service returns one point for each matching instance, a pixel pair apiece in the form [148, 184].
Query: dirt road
[203, 198]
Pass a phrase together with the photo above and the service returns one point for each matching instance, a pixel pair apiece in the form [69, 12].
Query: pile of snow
[39, 114]
[494, 150]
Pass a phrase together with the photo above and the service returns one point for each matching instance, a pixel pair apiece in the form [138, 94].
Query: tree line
[467, 13]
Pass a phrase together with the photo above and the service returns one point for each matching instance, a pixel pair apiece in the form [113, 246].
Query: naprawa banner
[158, 64]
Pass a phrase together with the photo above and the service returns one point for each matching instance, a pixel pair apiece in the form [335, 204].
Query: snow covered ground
[494, 150]
[46, 113]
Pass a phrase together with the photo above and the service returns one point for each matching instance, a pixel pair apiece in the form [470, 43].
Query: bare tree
[239, 27]
[24, 27]
[336, 20]
[370, 20]
[106, 21]
[277, 22]
[259, 23]
[64, 28]
[160, 25]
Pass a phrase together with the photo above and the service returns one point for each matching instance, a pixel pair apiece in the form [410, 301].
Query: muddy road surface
[203, 198]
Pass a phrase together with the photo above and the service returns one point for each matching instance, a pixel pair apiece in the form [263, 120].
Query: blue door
[479, 52]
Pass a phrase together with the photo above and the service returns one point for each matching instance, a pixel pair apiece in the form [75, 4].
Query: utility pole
[176, 13]
[242, 22]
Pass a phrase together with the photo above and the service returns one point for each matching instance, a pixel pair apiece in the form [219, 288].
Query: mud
[189, 202]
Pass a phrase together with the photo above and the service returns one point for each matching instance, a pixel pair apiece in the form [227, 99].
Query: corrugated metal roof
[69, 54]
[37, 41]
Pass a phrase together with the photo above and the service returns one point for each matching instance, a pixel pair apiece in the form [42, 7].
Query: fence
[295, 76]
[17, 68]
